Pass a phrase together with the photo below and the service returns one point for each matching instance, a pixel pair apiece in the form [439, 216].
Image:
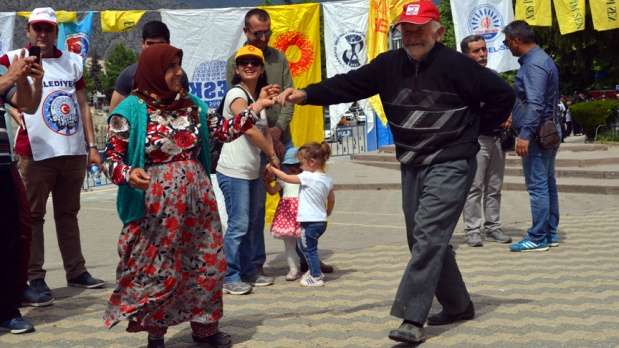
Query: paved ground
[566, 297]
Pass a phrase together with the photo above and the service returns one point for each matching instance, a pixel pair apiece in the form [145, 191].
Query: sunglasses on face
[258, 34]
[247, 62]
[47, 29]
[506, 41]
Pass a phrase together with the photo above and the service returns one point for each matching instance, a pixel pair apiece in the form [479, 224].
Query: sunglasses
[247, 62]
[47, 29]
[506, 41]
[258, 34]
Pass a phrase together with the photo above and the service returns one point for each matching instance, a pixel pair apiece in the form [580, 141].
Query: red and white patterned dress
[285, 219]
[172, 263]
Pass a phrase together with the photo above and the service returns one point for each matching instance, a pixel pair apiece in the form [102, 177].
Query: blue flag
[75, 37]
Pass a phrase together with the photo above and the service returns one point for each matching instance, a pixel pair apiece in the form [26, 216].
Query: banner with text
[120, 21]
[534, 12]
[346, 48]
[570, 15]
[486, 18]
[604, 14]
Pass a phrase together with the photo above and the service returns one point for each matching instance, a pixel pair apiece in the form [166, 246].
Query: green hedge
[592, 114]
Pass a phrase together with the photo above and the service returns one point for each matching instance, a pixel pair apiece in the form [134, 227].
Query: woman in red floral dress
[172, 260]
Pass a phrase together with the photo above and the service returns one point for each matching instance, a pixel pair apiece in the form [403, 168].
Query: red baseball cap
[419, 12]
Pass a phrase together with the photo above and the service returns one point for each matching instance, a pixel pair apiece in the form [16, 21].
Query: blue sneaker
[17, 325]
[553, 241]
[527, 245]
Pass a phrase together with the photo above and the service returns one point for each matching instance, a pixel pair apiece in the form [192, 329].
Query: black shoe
[219, 340]
[85, 280]
[408, 333]
[155, 343]
[444, 318]
[39, 286]
[324, 268]
[29, 297]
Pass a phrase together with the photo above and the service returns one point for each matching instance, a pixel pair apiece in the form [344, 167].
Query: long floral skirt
[172, 262]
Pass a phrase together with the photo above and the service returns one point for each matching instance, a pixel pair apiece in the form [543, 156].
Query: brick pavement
[566, 297]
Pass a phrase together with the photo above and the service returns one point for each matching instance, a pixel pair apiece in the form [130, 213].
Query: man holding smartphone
[54, 149]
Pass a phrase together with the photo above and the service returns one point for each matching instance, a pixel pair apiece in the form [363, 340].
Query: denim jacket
[537, 87]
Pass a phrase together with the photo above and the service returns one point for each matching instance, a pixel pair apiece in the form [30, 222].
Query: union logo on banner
[302, 48]
[349, 49]
[60, 113]
[208, 82]
[486, 22]
[78, 43]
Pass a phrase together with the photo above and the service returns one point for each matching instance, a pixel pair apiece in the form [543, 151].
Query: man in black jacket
[432, 96]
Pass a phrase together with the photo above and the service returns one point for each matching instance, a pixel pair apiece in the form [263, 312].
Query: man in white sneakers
[54, 150]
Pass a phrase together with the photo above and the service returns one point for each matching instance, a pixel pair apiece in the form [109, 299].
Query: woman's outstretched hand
[267, 97]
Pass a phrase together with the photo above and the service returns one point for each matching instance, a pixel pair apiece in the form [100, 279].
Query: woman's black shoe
[219, 340]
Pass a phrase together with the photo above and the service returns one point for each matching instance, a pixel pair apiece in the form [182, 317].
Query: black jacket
[433, 107]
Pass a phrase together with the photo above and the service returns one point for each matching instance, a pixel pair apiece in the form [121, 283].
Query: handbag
[547, 134]
[215, 145]
[508, 139]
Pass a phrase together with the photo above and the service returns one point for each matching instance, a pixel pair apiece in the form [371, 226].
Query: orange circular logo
[301, 42]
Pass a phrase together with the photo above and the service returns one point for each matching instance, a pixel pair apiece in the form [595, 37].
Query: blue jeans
[259, 255]
[310, 232]
[539, 177]
[241, 198]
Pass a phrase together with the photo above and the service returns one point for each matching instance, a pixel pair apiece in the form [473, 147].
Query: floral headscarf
[149, 82]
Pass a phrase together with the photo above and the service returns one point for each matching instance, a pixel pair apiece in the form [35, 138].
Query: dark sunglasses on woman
[247, 62]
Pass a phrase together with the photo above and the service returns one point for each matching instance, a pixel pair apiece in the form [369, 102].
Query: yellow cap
[250, 50]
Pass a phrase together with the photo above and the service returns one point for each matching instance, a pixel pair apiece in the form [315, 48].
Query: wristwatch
[92, 145]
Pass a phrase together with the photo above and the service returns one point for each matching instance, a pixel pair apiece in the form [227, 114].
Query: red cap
[419, 12]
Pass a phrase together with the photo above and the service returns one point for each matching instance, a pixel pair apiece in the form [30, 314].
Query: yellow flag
[61, 16]
[570, 15]
[296, 32]
[604, 14]
[534, 12]
[120, 21]
[382, 14]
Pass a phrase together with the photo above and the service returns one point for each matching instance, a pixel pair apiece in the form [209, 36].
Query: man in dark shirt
[432, 96]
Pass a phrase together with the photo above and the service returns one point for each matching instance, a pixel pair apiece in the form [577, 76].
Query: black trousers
[10, 245]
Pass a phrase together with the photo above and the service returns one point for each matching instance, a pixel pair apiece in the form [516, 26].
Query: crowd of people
[445, 110]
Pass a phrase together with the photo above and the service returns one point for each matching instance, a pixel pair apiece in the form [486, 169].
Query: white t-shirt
[240, 158]
[290, 190]
[315, 188]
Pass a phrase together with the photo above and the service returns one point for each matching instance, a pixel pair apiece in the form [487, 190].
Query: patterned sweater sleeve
[114, 165]
[224, 130]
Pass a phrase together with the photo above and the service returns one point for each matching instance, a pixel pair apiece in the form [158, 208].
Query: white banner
[345, 48]
[212, 37]
[486, 18]
[7, 25]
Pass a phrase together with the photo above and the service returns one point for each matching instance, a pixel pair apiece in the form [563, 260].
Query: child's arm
[272, 189]
[289, 178]
[330, 202]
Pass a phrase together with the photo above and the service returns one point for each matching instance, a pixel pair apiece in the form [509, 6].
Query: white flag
[212, 37]
[7, 25]
[345, 47]
[486, 18]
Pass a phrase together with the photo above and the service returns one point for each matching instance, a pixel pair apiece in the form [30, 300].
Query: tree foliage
[120, 58]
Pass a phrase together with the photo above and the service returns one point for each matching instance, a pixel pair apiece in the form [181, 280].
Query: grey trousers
[432, 200]
[487, 184]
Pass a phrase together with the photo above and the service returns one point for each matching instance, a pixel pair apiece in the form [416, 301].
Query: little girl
[316, 188]
[285, 224]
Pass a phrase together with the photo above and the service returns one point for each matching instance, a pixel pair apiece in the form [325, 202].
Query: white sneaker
[308, 280]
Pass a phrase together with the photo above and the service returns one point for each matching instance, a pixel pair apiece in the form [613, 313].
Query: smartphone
[35, 51]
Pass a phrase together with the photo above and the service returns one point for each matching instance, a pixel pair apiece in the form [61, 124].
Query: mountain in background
[102, 43]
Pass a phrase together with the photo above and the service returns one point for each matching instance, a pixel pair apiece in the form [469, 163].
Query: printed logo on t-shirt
[60, 113]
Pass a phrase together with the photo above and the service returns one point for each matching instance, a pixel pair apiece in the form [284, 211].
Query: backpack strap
[220, 109]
